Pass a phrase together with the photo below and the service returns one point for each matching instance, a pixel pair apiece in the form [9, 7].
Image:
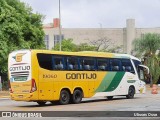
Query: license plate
[20, 96]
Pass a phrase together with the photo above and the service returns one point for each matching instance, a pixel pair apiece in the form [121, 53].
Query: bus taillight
[10, 89]
[33, 87]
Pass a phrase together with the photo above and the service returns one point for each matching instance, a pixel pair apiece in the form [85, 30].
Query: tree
[86, 47]
[116, 49]
[148, 45]
[153, 63]
[19, 29]
[68, 45]
[102, 44]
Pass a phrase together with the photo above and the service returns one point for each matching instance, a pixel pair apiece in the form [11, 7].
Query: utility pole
[100, 31]
[60, 38]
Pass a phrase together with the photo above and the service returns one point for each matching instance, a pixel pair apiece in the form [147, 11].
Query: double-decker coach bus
[67, 77]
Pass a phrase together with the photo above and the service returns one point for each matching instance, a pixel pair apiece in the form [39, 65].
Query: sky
[99, 13]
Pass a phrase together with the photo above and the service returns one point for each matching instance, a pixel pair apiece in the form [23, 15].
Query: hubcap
[77, 96]
[64, 97]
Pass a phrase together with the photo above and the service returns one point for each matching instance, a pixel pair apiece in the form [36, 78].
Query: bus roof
[88, 53]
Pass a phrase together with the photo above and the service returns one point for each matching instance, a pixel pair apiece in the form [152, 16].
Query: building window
[46, 41]
[57, 39]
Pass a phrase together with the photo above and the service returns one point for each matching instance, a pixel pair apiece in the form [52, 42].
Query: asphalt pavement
[142, 102]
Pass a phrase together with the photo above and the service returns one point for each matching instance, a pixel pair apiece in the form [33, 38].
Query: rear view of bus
[20, 78]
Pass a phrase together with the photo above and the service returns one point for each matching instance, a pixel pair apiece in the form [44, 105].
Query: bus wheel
[77, 96]
[131, 93]
[41, 103]
[64, 97]
[109, 97]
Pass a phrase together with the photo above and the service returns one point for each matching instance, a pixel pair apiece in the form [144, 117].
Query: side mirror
[143, 66]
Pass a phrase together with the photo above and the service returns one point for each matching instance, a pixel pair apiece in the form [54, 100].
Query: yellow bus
[67, 77]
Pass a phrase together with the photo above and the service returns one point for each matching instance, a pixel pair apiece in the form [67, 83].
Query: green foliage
[5, 85]
[68, 45]
[147, 46]
[153, 63]
[85, 47]
[116, 49]
[19, 29]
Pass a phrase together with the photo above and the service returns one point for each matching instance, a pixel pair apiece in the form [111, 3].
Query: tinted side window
[80, 63]
[89, 64]
[127, 65]
[45, 61]
[102, 64]
[72, 63]
[115, 65]
[58, 62]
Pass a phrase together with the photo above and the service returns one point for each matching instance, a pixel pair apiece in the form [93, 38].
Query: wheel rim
[77, 96]
[64, 97]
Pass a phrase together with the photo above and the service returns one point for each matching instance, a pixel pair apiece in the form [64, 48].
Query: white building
[119, 36]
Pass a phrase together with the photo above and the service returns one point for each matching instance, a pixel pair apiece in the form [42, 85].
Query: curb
[4, 97]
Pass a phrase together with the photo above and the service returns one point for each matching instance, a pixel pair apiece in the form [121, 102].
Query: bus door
[141, 70]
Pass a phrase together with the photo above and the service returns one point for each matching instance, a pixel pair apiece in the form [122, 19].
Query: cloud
[89, 13]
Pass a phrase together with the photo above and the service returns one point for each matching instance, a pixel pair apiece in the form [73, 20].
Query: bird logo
[18, 57]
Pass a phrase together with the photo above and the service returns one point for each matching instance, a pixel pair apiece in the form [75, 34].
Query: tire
[131, 93]
[109, 97]
[41, 103]
[77, 96]
[64, 97]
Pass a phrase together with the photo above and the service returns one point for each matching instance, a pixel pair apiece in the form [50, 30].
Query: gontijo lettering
[81, 76]
[19, 68]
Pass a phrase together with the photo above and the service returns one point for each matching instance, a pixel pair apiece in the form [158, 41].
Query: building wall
[85, 35]
[118, 36]
[141, 31]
